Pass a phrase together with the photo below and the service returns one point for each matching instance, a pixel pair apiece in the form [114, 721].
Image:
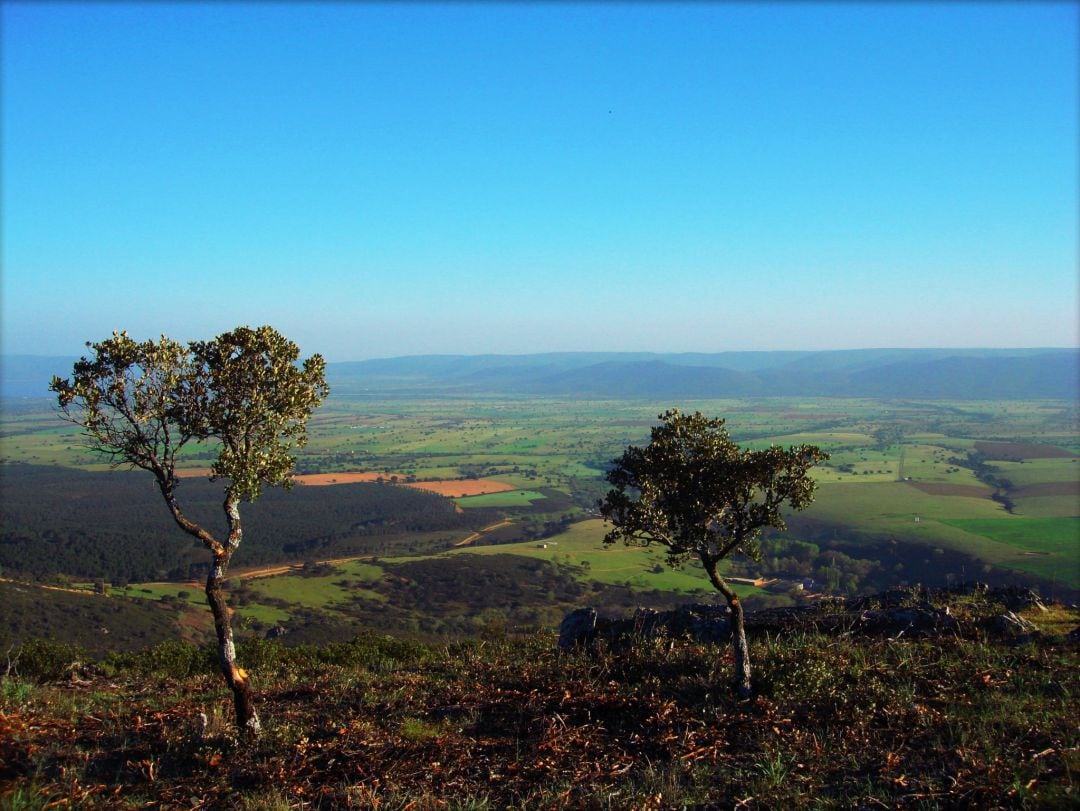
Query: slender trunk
[167, 484]
[246, 718]
[738, 629]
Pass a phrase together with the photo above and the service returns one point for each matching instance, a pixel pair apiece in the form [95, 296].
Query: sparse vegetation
[840, 720]
[477, 713]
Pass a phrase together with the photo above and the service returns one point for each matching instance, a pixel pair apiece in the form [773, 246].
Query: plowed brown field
[319, 479]
[1007, 451]
[459, 488]
[452, 488]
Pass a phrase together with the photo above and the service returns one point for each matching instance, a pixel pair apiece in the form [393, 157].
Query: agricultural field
[914, 490]
[552, 576]
[510, 498]
[581, 547]
[906, 472]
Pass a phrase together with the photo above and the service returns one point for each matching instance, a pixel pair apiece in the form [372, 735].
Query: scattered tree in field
[694, 491]
[885, 436]
[140, 404]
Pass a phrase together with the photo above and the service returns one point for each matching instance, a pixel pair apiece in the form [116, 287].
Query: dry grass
[838, 722]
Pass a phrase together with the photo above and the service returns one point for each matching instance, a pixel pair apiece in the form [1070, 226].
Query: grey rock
[578, 628]
[1012, 625]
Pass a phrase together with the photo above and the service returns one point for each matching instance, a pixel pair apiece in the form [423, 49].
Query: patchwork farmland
[923, 491]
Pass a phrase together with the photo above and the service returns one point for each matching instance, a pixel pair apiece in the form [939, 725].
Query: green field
[582, 546]
[359, 587]
[1049, 545]
[347, 582]
[553, 452]
[510, 498]
[1040, 471]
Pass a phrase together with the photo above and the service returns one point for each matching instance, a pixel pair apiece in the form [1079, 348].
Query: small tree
[697, 493]
[141, 403]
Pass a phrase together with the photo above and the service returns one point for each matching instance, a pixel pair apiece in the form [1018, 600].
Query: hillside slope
[842, 720]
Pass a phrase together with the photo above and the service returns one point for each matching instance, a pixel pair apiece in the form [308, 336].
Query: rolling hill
[910, 373]
[929, 374]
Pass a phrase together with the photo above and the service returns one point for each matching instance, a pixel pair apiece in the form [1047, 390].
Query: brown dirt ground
[459, 488]
[193, 472]
[1048, 489]
[319, 479]
[1006, 451]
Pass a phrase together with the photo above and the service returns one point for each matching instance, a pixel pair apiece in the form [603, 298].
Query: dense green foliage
[140, 403]
[697, 493]
[464, 596]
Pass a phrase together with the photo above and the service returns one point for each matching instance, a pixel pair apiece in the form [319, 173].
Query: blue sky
[390, 179]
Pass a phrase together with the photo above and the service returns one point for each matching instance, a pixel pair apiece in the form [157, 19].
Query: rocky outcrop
[911, 612]
[705, 623]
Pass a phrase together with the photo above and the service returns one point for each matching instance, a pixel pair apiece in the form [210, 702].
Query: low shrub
[44, 660]
[170, 659]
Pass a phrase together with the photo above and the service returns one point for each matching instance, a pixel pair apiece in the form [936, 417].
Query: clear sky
[391, 179]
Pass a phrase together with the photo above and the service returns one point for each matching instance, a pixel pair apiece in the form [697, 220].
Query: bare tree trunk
[247, 720]
[738, 629]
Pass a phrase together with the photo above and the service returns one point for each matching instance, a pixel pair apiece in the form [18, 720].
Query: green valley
[915, 491]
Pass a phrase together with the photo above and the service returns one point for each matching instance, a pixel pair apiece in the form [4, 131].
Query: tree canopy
[696, 492]
[141, 403]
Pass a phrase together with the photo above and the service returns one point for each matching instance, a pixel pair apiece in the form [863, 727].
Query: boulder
[701, 623]
[1012, 626]
[578, 629]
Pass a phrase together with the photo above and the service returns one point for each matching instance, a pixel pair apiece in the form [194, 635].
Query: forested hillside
[115, 525]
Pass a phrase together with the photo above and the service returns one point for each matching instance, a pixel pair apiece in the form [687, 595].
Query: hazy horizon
[388, 180]
[961, 349]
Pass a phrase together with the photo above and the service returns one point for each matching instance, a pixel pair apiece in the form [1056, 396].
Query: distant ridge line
[926, 373]
[975, 373]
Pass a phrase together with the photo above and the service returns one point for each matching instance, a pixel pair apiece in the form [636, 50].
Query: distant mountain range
[917, 373]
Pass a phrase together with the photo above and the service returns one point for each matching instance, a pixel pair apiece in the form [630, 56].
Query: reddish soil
[459, 488]
[452, 488]
[1012, 451]
[321, 479]
[193, 472]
